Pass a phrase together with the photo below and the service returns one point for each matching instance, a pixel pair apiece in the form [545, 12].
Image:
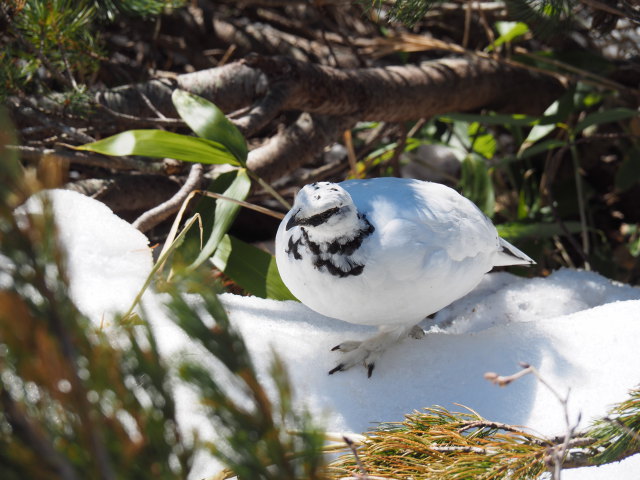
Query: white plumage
[385, 252]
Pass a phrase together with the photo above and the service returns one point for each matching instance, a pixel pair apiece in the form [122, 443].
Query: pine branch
[438, 444]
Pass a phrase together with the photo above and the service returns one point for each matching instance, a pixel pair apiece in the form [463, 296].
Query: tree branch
[156, 215]
[296, 145]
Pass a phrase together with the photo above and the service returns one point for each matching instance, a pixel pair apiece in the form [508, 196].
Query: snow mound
[578, 328]
[502, 298]
[107, 259]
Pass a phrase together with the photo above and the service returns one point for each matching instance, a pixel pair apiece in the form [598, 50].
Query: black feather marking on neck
[349, 247]
[293, 248]
[343, 250]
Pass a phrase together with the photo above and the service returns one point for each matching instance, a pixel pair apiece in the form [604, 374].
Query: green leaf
[540, 147]
[605, 116]
[162, 144]
[476, 184]
[518, 231]
[490, 118]
[508, 31]
[541, 130]
[483, 142]
[538, 132]
[225, 213]
[209, 122]
[253, 269]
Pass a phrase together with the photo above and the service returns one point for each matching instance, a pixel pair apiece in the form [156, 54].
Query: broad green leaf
[162, 144]
[208, 121]
[253, 269]
[225, 213]
[538, 132]
[541, 147]
[517, 231]
[605, 116]
[541, 130]
[483, 142]
[508, 31]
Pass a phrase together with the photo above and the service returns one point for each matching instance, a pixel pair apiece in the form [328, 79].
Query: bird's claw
[337, 368]
[347, 346]
[342, 367]
[356, 353]
[368, 351]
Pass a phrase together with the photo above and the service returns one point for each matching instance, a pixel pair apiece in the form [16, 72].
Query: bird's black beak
[293, 221]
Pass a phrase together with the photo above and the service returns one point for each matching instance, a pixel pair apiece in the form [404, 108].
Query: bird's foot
[370, 350]
[416, 332]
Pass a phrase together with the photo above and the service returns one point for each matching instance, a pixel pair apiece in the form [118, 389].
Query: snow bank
[107, 259]
[578, 328]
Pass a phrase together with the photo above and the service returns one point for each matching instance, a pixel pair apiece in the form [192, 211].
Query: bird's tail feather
[510, 255]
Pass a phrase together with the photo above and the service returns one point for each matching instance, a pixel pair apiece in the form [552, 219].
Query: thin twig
[394, 161]
[486, 424]
[351, 153]
[32, 111]
[34, 154]
[557, 453]
[151, 106]
[173, 122]
[251, 206]
[416, 127]
[274, 193]
[68, 68]
[358, 476]
[156, 215]
[605, 7]
[581, 205]
[467, 23]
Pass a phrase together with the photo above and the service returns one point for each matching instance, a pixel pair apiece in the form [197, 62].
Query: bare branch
[34, 154]
[153, 217]
[296, 145]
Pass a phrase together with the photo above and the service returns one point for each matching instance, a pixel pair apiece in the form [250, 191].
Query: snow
[107, 259]
[577, 328]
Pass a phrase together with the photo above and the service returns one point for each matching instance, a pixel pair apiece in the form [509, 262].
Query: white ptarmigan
[385, 252]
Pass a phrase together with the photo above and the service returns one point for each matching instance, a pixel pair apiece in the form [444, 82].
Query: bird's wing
[422, 227]
[405, 250]
[455, 222]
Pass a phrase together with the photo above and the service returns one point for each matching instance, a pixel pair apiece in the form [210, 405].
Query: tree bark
[258, 89]
[392, 94]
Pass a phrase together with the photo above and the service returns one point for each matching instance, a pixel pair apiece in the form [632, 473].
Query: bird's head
[326, 210]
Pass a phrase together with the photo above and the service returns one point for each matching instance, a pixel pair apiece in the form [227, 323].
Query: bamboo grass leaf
[253, 269]
[605, 116]
[209, 122]
[163, 144]
[225, 213]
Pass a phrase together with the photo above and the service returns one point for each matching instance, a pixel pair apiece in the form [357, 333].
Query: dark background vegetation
[528, 108]
[69, 70]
